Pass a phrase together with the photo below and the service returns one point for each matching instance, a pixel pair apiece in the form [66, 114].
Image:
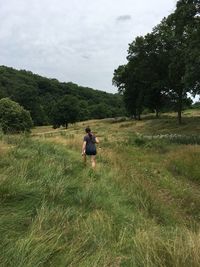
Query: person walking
[89, 147]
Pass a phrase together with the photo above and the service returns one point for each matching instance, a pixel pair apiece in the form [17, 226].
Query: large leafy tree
[181, 27]
[192, 73]
[178, 36]
[164, 66]
[65, 111]
[141, 81]
[144, 74]
[122, 80]
[13, 117]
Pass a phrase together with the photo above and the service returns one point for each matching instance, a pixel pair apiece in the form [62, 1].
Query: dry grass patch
[4, 148]
[154, 249]
[185, 162]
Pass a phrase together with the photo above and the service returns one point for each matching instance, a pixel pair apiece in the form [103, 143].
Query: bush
[13, 117]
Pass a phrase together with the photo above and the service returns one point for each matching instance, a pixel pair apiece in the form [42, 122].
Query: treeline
[52, 102]
[163, 66]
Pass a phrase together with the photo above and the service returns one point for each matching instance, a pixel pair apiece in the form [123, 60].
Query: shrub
[13, 117]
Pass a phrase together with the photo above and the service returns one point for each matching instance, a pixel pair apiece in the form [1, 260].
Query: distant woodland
[58, 103]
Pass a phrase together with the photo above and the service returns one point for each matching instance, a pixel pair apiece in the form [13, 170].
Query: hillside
[140, 207]
[39, 95]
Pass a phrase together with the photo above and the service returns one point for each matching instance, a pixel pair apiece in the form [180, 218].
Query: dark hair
[88, 131]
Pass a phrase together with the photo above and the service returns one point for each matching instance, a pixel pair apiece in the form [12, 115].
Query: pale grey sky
[82, 41]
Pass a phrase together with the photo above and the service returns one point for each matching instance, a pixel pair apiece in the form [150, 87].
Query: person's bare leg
[93, 161]
[84, 160]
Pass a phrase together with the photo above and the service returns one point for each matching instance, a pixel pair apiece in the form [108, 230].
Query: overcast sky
[82, 41]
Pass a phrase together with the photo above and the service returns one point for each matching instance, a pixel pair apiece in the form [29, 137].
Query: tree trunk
[180, 100]
[139, 116]
[157, 113]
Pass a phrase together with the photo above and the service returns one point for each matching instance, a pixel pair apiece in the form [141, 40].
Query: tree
[100, 111]
[84, 113]
[135, 80]
[163, 66]
[119, 78]
[123, 79]
[180, 35]
[13, 117]
[192, 74]
[27, 96]
[65, 111]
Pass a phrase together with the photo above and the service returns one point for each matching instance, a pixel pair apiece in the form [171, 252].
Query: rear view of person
[89, 146]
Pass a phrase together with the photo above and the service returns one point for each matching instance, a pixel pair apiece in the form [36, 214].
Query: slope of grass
[140, 207]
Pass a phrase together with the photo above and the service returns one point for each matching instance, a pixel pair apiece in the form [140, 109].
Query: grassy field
[140, 207]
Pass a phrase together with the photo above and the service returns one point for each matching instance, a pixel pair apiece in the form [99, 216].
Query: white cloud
[80, 41]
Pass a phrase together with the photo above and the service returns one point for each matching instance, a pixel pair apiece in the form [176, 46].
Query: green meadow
[139, 208]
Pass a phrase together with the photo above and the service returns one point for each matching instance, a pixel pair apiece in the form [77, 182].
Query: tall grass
[185, 163]
[56, 212]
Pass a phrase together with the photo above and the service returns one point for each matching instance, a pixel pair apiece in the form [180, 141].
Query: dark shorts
[90, 152]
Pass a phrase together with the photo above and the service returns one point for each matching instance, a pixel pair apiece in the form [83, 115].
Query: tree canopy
[164, 65]
[65, 111]
[40, 96]
[13, 117]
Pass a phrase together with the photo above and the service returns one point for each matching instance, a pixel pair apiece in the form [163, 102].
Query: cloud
[123, 18]
[85, 56]
[76, 40]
